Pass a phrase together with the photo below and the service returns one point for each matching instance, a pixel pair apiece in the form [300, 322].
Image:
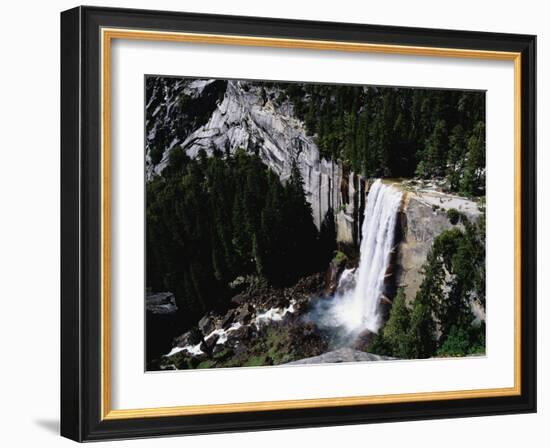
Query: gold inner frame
[107, 35]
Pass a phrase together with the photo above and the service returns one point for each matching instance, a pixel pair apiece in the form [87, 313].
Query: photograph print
[292, 223]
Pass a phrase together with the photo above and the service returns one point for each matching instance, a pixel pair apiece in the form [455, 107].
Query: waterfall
[378, 232]
[357, 308]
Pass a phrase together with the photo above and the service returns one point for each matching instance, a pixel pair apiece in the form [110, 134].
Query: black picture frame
[81, 381]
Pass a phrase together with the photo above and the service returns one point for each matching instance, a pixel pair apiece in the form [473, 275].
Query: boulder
[208, 345]
[182, 340]
[239, 299]
[207, 325]
[335, 268]
[245, 314]
[363, 339]
[228, 319]
[277, 301]
[345, 354]
[240, 334]
[161, 303]
[168, 367]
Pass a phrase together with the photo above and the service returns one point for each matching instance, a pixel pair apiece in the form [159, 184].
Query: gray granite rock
[345, 354]
[161, 303]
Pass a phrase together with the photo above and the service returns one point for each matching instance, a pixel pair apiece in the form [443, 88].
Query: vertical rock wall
[250, 117]
[419, 224]
[349, 214]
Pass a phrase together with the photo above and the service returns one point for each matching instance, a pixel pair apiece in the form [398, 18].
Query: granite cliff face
[236, 115]
[422, 218]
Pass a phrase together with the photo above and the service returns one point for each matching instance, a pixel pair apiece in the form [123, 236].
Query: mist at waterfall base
[355, 306]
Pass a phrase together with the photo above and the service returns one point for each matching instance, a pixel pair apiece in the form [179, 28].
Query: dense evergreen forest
[212, 219]
[397, 132]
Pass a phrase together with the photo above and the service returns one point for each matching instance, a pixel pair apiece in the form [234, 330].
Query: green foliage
[454, 273]
[397, 328]
[379, 345]
[456, 343]
[455, 157]
[398, 132]
[212, 219]
[473, 181]
[256, 360]
[272, 345]
[463, 341]
[422, 338]
[477, 339]
[206, 364]
[432, 155]
[339, 257]
[454, 216]
[440, 321]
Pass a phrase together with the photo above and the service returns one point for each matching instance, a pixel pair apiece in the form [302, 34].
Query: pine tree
[396, 330]
[434, 161]
[302, 228]
[455, 157]
[423, 327]
[473, 182]
[390, 132]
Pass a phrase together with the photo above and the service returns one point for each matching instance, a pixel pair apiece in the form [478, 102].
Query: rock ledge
[345, 354]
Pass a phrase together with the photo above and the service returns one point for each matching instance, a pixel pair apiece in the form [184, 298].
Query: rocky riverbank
[263, 327]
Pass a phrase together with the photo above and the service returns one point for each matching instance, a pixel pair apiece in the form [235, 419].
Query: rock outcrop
[161, 303]
[422, 219]
[258, 120]
[345, 354]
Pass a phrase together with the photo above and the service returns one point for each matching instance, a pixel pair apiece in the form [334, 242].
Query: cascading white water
[383, 203]
[357, 309]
